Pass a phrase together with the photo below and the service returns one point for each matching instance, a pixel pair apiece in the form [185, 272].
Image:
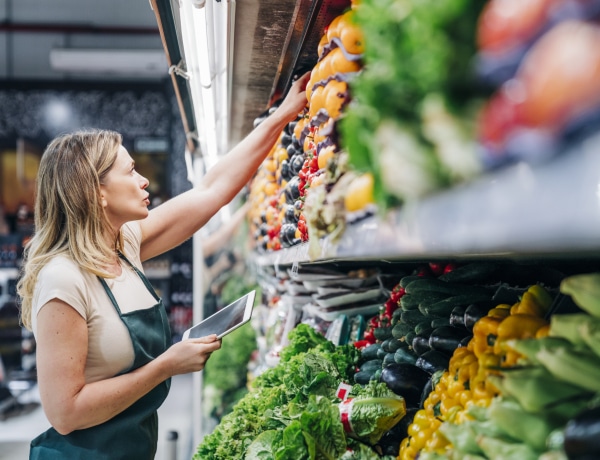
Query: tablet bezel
[248, 308]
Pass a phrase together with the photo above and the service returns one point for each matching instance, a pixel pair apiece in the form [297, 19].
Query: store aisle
[174, 415]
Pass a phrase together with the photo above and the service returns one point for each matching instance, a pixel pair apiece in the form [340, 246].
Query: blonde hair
[69, 216]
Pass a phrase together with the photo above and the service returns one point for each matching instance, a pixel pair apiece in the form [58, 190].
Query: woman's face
[124, 194]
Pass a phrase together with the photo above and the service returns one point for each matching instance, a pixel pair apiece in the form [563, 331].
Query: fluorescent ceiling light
[143, 62]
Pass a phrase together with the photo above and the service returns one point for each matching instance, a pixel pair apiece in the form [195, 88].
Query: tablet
[224, 321]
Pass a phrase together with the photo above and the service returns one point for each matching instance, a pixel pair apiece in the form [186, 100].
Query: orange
[339, 64]
[351, 37]
[333, 29]
[336, 94]
[317, 101]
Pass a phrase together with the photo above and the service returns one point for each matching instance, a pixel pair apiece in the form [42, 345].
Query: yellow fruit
[359, 193]
[325, 155]
[339, 64]
[336, 93]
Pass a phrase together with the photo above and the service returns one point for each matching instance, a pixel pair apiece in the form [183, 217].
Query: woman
[104, 359]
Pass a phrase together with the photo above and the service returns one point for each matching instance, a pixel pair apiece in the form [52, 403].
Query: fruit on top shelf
[521, 121]
[508, 28]
[307, 158]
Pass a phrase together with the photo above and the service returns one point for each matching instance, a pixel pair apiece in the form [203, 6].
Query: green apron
[132, 434]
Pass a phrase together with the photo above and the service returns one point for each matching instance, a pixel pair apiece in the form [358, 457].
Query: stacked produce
[527, 51]
[546, 401]
[468, 379]
[298, 187]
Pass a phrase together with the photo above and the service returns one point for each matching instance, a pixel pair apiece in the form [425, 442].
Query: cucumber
[370, 352]
[474, 272]
[436, 285]
[405, 280]
[395, 344]
[424, 327]
[409, 338]
[414, 300]
[443, 308]
[404, 355]
[382, 333]
[401, 329]
[439, 322]
[412, 317]
[409, 302]
[385, 345]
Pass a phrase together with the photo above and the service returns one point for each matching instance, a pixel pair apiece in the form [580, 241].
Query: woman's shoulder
[61, 267]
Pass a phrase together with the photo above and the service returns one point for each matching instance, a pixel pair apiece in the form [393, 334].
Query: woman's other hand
[190, 355]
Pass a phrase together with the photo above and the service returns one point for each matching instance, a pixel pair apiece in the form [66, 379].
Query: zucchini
[447, 338]
[581, 435]
[432, 361]
[406, 380]
[420, 344]
[457, 316]
[381, 353]
[404, 355]
[477, 310]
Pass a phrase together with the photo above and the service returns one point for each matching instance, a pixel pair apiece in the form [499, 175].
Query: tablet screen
[225, 320]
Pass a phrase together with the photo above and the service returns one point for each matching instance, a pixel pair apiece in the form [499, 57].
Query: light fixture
[133, 62]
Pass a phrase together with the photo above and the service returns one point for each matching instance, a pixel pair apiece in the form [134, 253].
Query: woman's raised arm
[178, 219]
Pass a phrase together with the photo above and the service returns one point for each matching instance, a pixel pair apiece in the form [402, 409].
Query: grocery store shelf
[552, 209]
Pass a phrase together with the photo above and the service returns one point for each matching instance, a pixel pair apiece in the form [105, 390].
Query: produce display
[477, 360]
[460, 359]
[409, 98]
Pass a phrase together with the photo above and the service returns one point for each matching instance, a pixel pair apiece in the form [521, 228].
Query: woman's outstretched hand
[295, 100]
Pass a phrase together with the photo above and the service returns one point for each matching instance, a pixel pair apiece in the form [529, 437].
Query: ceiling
[31, 29]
